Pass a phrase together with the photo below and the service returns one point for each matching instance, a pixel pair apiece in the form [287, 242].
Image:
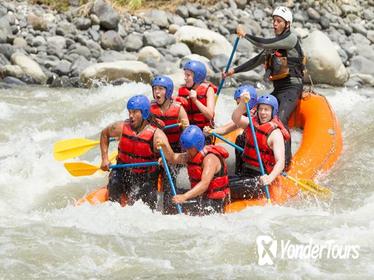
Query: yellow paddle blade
[80, 168]
[71, 148]
[317, 188]
[113, 157]
[310, 186]
[231, 136]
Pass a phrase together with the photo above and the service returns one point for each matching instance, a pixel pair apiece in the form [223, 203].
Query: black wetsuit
[287, 90]
[134, 186]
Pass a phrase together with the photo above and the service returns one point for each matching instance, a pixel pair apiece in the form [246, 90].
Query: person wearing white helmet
[283, 59]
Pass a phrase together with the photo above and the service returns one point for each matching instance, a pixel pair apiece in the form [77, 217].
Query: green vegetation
[132, 4]
[59, 5]
[63, 5]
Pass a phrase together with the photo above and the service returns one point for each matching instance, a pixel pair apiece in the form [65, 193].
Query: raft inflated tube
[320, 148]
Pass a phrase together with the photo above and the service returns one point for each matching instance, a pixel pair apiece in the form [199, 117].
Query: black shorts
[134, 186]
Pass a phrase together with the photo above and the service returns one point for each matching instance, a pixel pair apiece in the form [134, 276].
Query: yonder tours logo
[269, 249]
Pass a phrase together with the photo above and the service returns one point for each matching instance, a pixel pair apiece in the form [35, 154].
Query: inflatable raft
[320, 148]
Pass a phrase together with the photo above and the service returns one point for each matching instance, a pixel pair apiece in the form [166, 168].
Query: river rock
[3, 60]
[149, 52]
[38, 41]
[133, 42]
[158, 39]
[360, 64]
[324, 64]
[179, 50]
[13, 71]
[82, 23]
[5, 30]
[110, 71]
[62, 68]
[178, 78]
[204, 42]
[157, 17]
[182, 11]
[19, 42]
[79, 64]
[108, 17]
[370, 36]
[29, 67]
[112, 40]
[111, 56]
[37, 23]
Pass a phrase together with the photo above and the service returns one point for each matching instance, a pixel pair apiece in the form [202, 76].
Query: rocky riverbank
[96, 43]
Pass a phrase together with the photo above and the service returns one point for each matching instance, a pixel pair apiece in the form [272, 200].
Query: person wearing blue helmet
[207, 172]
[197, 95]
[231, 126]
[271, 137]
[163, 107]
[137, 143]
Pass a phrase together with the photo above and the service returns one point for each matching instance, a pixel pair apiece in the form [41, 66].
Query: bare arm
[112, 130]
[211, 165]
[173, 158]
[226, 128]
[238, 118]
[276, 143]
[183, 117]
[208, 110]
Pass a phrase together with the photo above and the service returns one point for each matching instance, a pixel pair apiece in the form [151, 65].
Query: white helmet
[284, 13]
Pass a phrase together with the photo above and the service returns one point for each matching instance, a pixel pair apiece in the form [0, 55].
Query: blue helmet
[166, 82]
[252, 93]
[192, 137]
[140, 102]
[269, 100]
[198, 68]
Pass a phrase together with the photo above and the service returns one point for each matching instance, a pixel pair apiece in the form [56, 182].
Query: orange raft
[320, 148]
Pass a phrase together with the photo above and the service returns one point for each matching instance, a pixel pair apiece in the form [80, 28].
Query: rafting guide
[269, 249]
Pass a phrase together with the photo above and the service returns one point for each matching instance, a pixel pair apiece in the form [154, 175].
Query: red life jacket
[218, 187]
[171, 116]
[134, 148]
[194, 114]
[262, 133]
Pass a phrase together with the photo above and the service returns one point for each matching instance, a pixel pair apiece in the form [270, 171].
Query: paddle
[172, 126]
[85, 169]
[227, 67]
[75, 147]
[305, 184]
[256, 147]
[166, 167]
[310, 186]
[227, 141]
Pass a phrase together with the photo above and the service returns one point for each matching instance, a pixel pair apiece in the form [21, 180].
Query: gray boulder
[179, 50]
[360, 64]
[112, 40]
[5, 30]
[133, 42]
[111, 71]
[62, 68]
[324, 64]
[203, 41]
[108, 17]
[29, 67]
[158, 39]
[157, 17]
[149, 53]
[112, 56]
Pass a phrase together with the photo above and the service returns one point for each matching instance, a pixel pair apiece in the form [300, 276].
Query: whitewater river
[44, 236]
